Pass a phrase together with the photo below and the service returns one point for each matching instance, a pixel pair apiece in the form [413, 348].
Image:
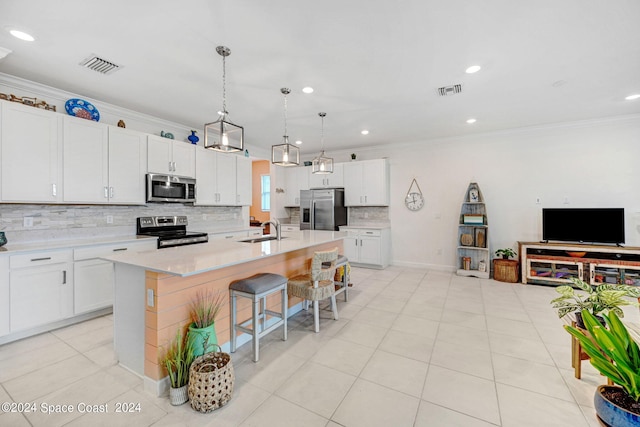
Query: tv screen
[599, 225]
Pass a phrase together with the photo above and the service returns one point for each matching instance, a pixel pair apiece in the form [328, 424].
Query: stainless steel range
[170, 231]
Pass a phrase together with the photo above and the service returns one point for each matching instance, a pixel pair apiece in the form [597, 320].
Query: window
[265, 183]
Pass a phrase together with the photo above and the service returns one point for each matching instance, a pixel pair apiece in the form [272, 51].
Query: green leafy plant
[613, 352]
[353, 156]
[205, 307]
[177, 359]
[596, 298]
[506, 253]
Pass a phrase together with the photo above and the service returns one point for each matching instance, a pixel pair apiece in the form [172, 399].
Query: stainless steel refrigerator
[322, 209]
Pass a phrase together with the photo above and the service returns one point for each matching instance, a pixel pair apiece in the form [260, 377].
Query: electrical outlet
[565, 200]
[28, 221]
[538, 200]
[109, 219]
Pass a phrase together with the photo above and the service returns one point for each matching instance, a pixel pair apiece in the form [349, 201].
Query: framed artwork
[480, 237]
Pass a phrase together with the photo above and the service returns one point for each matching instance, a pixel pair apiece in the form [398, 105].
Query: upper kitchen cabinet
[367, 183]
[171, 157]
[102, 164]
[31, 157]
[296, 179]
[328, 180]
[215, 178]
[243, 181]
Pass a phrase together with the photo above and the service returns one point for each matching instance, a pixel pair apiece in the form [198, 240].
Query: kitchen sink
[260, 239]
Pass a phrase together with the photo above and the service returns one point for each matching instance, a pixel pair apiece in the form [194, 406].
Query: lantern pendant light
[322, 164]
[223, 135]
[285, 154]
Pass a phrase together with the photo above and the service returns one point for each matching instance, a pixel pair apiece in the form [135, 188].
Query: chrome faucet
[276, 224]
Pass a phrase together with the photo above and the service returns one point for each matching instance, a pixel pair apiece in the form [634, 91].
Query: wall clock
[414, 201]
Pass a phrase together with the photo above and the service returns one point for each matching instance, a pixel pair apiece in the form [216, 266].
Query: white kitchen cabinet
[215, 178]
[231, 235]
[244, 182]
[102, 164]
[4, 296]
[94, 277]
[31, 158]
[296, 179]
[41, 288]
[366, 183]
[289, 227]
[329, 180]
[367, 247]
[171, 157]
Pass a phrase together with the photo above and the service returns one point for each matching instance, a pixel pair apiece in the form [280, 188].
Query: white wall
[593, 164]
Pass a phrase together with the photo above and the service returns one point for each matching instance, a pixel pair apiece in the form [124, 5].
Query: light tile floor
[412, 347]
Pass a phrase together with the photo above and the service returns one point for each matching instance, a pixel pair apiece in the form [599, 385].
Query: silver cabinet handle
[106, 192]
[64, 277]
[54, 190]
[111, 192]
[41, 259]
[174, 166]
[169, 166]
[229, 237]
[119, 249]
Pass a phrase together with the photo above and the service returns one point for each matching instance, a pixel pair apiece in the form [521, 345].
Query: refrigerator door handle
[312, 215]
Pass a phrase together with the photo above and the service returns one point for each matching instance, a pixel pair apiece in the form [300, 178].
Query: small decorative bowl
[576, 254]
[3, 238]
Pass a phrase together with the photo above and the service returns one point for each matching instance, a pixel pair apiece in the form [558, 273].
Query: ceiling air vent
[100, 65]
[449, 90]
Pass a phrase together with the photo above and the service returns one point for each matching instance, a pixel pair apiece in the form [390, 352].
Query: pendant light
[322, 164]
[223, 135]
[285, 154]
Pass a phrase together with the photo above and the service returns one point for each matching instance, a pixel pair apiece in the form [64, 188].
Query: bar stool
[343, 261]
[257, 288]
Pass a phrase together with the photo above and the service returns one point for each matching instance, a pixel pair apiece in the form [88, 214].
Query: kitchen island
[153, 290]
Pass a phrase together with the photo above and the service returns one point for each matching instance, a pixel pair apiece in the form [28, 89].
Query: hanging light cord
[224, 86]
[322, 134]
[285, 116]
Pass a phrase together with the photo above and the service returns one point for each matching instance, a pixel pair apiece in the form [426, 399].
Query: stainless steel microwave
[168, 188]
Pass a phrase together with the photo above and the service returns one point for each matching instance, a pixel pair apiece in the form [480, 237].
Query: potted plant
[177, 360]
[506, 253]
[205, 307]
[596, 299]
[615, 355]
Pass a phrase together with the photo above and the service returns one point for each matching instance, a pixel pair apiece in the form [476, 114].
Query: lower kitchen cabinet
[367, 247]
[4, 296]
[41, 288]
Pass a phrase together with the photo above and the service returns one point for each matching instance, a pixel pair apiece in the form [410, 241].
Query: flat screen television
[597, 225]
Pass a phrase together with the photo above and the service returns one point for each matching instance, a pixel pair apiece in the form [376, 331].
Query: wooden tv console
[551, 264]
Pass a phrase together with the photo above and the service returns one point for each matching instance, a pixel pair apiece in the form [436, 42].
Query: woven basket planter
[211, 380]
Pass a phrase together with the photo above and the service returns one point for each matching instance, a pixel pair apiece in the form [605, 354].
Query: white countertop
[15, 248]
[195, 259]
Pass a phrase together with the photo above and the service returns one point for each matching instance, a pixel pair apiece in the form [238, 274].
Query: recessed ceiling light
[298, 142]
[471, 121]
[473, 69]
[364, 132]
[307, 89]
[632, 97]
[22, 35]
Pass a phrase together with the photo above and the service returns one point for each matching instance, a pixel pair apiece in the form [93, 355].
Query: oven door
[167, 188]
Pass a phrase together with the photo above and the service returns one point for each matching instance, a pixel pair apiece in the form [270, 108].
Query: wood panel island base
[154, 289]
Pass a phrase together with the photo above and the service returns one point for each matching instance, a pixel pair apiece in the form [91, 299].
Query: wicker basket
[211, 381]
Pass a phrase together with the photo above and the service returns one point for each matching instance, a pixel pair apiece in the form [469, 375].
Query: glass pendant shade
[222, 135]
[285, 154]
[322, 164]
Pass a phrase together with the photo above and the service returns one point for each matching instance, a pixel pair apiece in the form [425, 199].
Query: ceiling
[373, 64]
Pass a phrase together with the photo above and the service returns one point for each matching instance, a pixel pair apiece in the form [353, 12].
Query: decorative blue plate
[81, 108]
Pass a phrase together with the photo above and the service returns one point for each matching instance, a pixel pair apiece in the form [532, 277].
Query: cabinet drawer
[40, 258]
[106, 250]
[290, 228]
[373, 233]
[228, 236]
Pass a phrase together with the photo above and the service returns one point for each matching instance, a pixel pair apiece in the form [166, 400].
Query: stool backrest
[323, 264]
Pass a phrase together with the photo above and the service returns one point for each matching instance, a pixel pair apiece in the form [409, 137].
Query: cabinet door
[4, 296]
[85, 161]
[159, 155]
[206, 193]
[184, 159]
[93, 285]
[353, 184]
[41, 295]
[351, 248]
[370, 250]
[127, 158]
[243, 181]
[31, 161]
[292, 187]
[329, 180]
[375, 183]
[226, 179]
